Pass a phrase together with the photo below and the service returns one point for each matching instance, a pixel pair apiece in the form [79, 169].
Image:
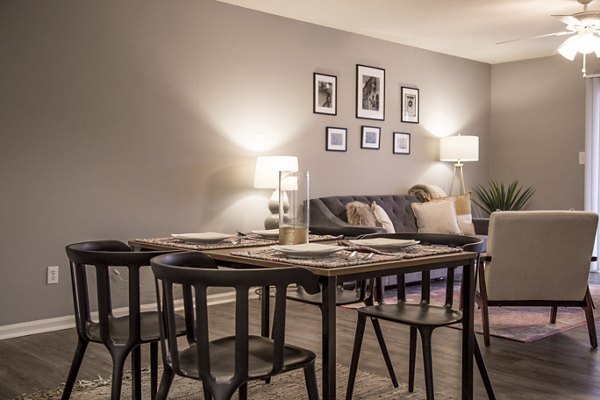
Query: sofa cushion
[438, 216]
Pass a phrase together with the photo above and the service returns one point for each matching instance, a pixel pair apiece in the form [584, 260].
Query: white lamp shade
[266, 175]
[459, 148]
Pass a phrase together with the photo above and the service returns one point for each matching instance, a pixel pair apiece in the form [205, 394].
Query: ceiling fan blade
[539, 36]
[568, 19]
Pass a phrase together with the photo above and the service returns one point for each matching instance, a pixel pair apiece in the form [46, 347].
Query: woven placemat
[343, 257]
[250, 240]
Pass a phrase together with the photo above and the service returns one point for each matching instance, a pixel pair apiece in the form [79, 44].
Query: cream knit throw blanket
[427, 192]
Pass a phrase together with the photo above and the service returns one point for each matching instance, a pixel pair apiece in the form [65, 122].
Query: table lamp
[266, 176]
[459, 149]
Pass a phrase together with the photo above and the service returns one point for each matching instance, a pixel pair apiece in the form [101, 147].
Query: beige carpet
[288, 386]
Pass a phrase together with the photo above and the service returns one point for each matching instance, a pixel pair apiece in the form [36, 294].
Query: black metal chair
[121, 335]
[227, 363]
[422, 317]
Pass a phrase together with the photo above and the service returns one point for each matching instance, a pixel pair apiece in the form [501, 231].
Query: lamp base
[272, 221]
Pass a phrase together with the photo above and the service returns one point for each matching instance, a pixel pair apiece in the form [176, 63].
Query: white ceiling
[463, 28]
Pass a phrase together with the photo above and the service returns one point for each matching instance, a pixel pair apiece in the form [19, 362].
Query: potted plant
[496, 196]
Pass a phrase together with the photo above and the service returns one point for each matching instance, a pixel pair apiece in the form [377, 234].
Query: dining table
[336, 269]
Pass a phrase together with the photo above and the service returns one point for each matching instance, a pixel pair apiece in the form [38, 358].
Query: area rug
[287, 386]
[521, 324]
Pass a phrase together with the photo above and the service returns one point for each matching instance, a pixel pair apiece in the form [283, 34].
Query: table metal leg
[468, 331]
[329, 336]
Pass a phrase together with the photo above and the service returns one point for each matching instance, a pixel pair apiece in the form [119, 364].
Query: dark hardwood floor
[562, 366]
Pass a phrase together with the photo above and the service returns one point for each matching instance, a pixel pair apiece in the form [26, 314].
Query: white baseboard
[66, 322]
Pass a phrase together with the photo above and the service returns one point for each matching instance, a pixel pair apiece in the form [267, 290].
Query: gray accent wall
[538, 128]
[129, 119]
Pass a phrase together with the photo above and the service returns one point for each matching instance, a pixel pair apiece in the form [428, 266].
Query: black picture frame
[370, 137]
[409, 105]
[370, 92]
[324, 94]
[401, 143]
[336, 139]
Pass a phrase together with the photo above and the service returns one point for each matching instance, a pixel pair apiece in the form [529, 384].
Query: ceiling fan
[584, 31]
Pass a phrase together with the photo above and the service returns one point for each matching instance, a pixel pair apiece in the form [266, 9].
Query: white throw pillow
[438, 216]
[382, 218]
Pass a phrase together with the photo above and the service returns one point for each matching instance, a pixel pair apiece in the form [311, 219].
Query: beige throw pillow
[438, 216]
[382, 218]
[360, 214]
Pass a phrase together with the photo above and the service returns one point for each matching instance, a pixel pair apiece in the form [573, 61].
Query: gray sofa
[328, 215]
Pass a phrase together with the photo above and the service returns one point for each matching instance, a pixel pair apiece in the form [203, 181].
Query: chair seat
[413, 314]
[260, 358]
[119, 328]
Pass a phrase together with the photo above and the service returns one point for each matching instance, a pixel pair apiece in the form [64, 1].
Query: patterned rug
[287, 386]
[521, 324]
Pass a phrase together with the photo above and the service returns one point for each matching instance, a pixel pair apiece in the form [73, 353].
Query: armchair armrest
[481, 225]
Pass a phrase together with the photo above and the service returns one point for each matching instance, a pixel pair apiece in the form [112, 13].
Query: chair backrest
[539, 255]
[466, 243]
[196, 272]
[102, 256]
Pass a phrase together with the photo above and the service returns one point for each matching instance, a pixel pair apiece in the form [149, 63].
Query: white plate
[206, 237]
[307, 250]
[268, 234]
[384, 243]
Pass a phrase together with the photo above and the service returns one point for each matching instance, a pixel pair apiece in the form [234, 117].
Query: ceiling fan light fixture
[569, 48]
[585, 42]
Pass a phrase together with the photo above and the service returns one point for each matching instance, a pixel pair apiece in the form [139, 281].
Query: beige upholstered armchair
[538, 258]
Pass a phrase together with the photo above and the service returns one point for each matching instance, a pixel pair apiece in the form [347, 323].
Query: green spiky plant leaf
[495, 196]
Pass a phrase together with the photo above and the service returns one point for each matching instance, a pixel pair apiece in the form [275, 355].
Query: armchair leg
[589, 317]
[482, 301]
[553, 312]
[485, 322]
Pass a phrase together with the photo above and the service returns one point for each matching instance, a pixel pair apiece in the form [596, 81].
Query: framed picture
[401, 143]
[335, 139]
[410, 105]
[324, 94]
[369, 138]
[370, 92]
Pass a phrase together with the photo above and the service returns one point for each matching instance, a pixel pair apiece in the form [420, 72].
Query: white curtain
[592, 152]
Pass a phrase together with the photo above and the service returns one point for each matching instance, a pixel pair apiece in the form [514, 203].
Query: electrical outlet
[52, 275]
[582, 158]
